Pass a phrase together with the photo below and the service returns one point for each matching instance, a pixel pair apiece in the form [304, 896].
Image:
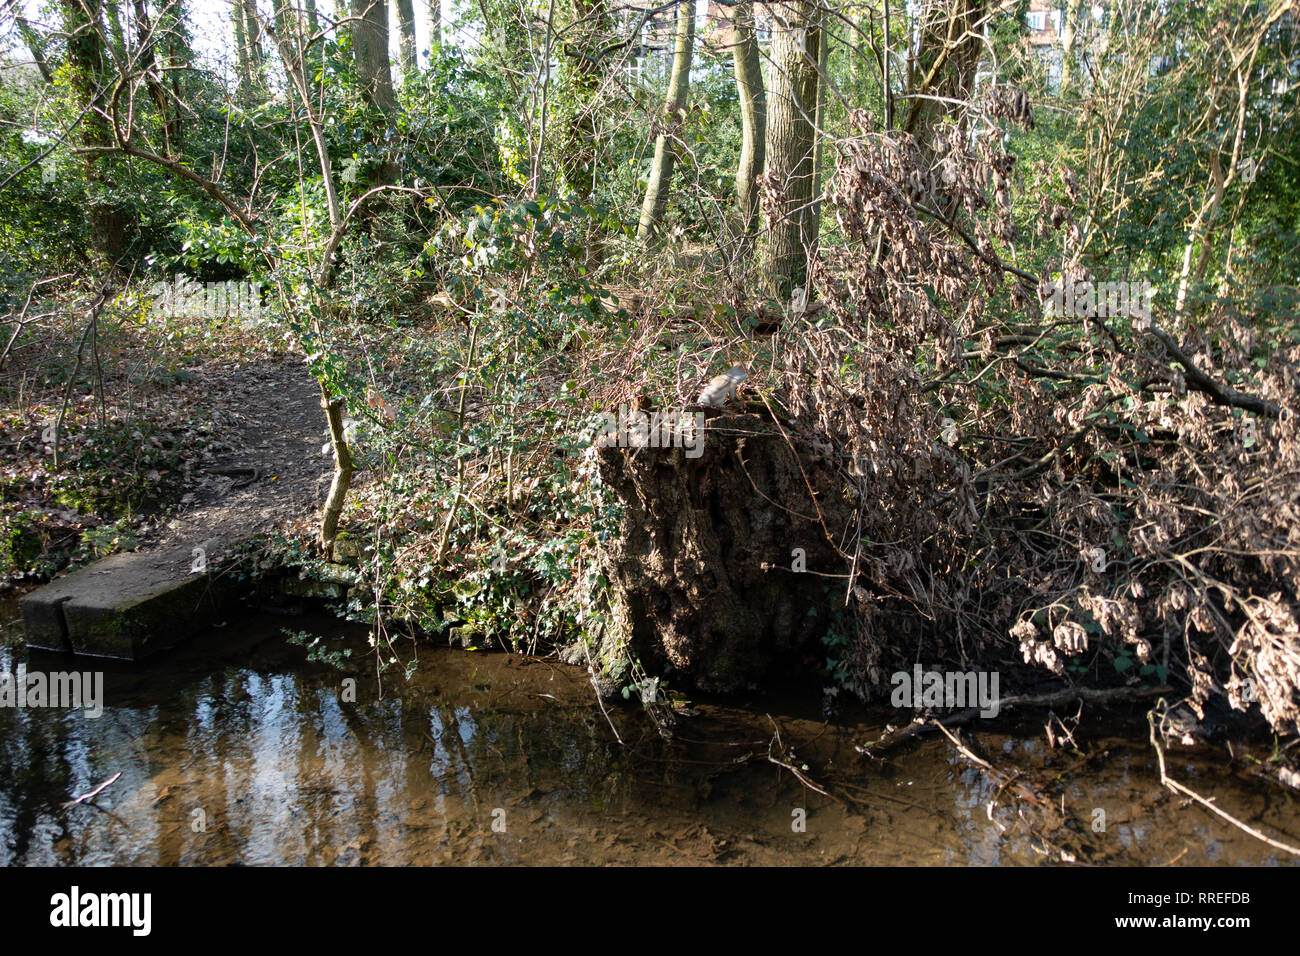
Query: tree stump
[716, 569]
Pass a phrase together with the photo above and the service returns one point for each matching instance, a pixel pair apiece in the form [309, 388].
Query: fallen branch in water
[785, 764]
[1177, 787]
[591, 672]
[1088, 695]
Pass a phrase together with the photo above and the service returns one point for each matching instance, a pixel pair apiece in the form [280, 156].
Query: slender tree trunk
[343, 471]
[1069, 29]
[590, 21]
[313, 18]
[661, 173]
[152, 77]
[856, 46]
[296, 72]
[819, 137]
[753, 115]
[177, 58]
[374, 73]
[113, 18]
[253, 37]
[792, 106]
[941, 74]
[406, 35]
[87, 59]
[281, 15]
[582, 144]
[288, 33]
[31, 39]
[243, 63]
[435, 23]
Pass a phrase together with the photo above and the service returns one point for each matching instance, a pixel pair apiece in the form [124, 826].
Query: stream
[236, 749]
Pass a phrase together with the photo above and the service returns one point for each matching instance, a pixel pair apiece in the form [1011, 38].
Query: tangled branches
[1075, 489]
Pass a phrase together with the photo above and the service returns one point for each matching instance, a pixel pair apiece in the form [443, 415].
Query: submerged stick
[1177, 787]
[591, 672]
[785, 764]
[96, 792]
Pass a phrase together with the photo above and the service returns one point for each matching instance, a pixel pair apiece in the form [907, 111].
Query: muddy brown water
[238, 750]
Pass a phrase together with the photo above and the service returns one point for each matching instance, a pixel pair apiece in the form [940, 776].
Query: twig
[802, 778]
[1177, 787]
[460, 431]
[1221, 394]
[1004, 779]
[1021, 790]
[76, 369]
[22, 319]
[94, 793]
[591, 670]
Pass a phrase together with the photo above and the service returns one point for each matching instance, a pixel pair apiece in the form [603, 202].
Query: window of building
[1037, 20]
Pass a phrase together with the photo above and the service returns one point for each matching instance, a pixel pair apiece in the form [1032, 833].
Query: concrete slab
[126, 606]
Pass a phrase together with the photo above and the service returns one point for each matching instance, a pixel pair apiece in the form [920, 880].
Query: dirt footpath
[270, 468]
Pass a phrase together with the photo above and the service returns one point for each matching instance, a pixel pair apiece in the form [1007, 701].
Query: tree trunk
[856, 46]
[178, 57]
[590, 20]
[941, 74]
[406, 35]
[819, 137]
[792, 105]
[297, 73]
[31, 39]
[288, 37]
[753, 115]
[435, 23]
[374, 74]
[253, 38]
[701, 574]
[370, 43]
[282, 17]
[1069, 29]
[113, 18]
[86, 57]
[582, 144]
[243, 63]
[661, 173]
[152, 76]
[343, 470]
[313, 18]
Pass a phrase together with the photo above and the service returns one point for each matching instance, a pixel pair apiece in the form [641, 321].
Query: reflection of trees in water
[288, 773]
[28, 768]
[50, 755]
[285, 772]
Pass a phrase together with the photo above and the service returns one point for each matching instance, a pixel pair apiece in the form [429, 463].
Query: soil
[270, 418]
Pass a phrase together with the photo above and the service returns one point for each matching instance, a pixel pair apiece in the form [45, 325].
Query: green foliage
[106, 539]
[317, 651]
[467, 318]
[835, 645]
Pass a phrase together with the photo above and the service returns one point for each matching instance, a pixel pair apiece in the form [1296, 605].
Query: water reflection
[236, 750]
